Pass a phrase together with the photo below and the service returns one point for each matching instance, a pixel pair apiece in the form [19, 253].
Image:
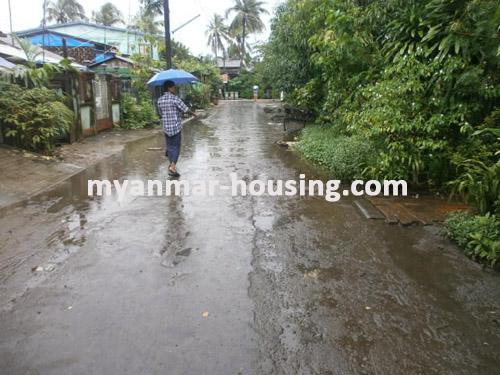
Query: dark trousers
[173, 145]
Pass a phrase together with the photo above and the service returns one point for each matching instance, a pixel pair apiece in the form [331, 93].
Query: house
[11, 51]
[80, 50]
[125, 41]
[112, 63]
[231, 67]
[95, 95]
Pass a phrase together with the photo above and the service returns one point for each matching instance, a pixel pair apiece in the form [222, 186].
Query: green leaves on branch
[479, 183]
[418, 79]
[137, 113]
[33, 117]
[479, 236]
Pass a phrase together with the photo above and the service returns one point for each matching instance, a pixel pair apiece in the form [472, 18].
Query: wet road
[233, 285]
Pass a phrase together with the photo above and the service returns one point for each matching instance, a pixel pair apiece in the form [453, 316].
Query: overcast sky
[27, 14]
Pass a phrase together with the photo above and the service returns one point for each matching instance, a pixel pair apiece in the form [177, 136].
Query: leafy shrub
[479, 236]
[33, 118]
[199, 96]
[137, 114]
[209, 76]
[480, 185]
[419, 79]
[343, 156]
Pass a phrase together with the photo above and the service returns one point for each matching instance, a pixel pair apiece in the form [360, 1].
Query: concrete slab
[368, 210]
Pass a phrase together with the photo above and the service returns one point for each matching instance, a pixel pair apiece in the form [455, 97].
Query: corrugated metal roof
[54, 58]
[6, 64]
[17, 55]
[103, 59]
[39, 33]
[231, 63]
[12, 52]
[80, 23]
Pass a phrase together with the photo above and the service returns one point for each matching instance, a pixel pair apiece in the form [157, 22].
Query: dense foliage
[406, 89]
[137, 112]
[243, 84]
[203, 93]
[479, 236]
[418, 79]
[138, 108]
[33, 118]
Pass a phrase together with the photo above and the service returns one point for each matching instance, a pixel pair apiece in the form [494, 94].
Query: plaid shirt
[170, 107]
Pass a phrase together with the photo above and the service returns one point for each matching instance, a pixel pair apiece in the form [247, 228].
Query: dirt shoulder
[24, 174]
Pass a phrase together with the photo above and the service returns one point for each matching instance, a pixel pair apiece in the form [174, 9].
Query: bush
[137, 114]
[343, 156]
[479, 236]
[417, 78]
[209, 75]
[33, 118]
[199, 96]
[480, 185]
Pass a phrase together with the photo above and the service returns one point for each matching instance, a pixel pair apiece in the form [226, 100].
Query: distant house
[80, 50]
[11, 51]
[125, 41]
[231, 67]
[95, 94]
[112, 63]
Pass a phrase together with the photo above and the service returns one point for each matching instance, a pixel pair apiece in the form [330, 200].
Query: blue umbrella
[179, 77]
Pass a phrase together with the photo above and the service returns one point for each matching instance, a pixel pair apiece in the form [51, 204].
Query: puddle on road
[69, 217]
[318, 265]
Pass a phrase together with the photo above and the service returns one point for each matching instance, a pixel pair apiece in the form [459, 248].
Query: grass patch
[479, 236]
[343, 156]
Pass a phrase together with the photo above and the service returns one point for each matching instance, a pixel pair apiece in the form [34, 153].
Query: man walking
[170, 107]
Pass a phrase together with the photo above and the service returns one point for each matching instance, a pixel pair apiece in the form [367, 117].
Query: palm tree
[63, 11]
[108, 15]
[31, 51]
[152, 8]
[217, 33]
[146, 23]
[246, 20]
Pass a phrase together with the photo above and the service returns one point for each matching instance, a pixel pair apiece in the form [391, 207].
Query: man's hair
[168, 84]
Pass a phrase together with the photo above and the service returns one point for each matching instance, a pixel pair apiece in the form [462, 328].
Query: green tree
[33, 118]
[246, 21]
[146, 23]
[63, 11]
[108, 15]
[31, 51]
[417, 78]
[218, 34]
[152, 8]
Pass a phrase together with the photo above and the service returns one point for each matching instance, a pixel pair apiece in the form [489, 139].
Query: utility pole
[43, 30]
[168, 44]
[10, 20]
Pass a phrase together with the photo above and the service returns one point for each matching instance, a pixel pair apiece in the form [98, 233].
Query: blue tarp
[54, 40]
[102, 57]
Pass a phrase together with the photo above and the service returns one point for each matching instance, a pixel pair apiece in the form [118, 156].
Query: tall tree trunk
[243, 37]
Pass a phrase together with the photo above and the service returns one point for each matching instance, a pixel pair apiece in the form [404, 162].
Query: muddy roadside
[26, 174]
